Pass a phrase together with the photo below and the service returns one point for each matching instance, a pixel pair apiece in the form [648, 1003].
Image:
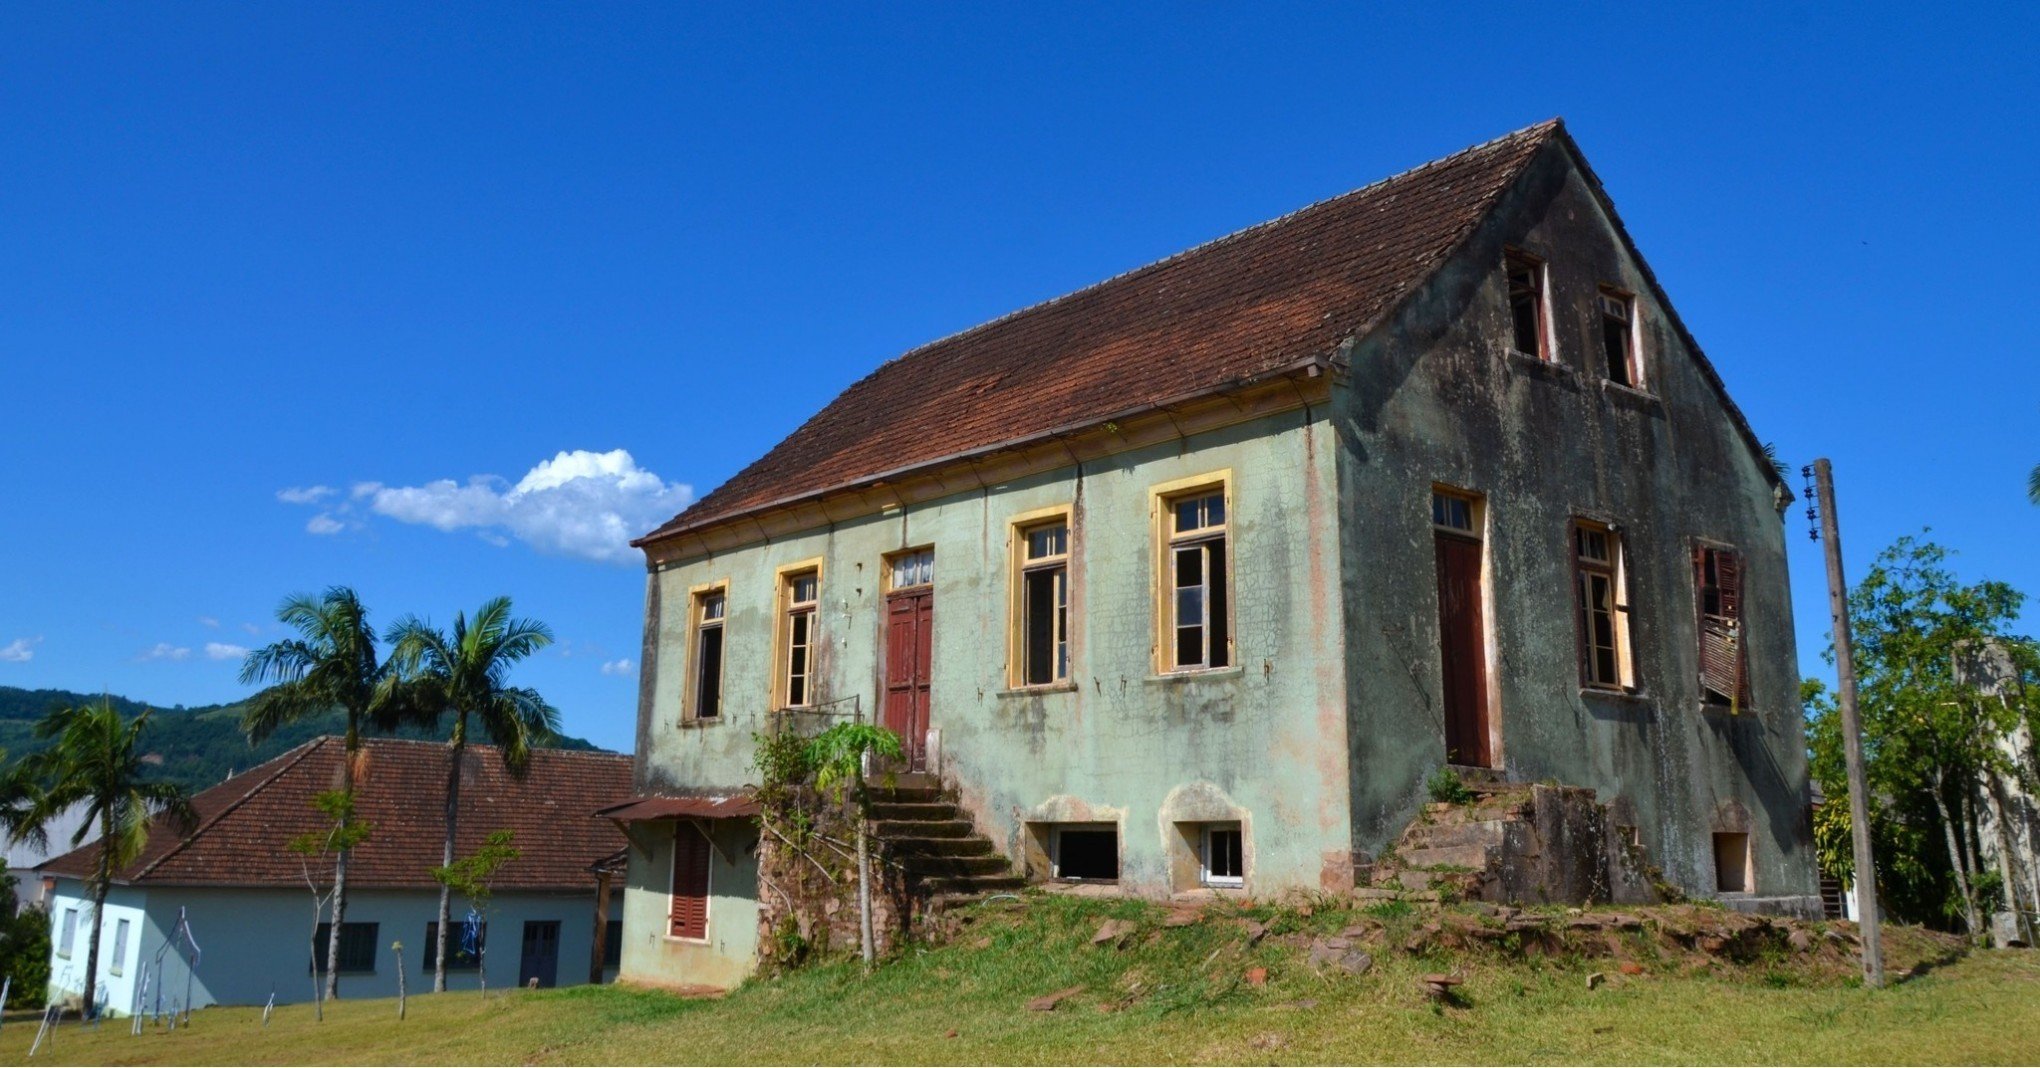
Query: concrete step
[1468, 857]
[904, 792]
[1376, 894]
[1452, 835]
[974, 846]
[923, 829]
[973, 885]
[916, 811]
[923, 865]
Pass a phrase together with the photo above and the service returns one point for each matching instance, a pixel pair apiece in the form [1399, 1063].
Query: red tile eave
[1313, 364]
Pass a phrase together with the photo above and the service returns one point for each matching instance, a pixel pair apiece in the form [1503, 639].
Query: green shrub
[1446, 788]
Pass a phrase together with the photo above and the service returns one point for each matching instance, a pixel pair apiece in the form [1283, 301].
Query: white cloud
[304, 494]
[20, 650]
[252, 629]
[579, 503]
[209, 621]
[224, 651]
[618, 667]
[166, 651]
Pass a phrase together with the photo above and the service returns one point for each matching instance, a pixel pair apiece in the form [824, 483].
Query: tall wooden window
[1718, 581]
[1603, 606]
[1198, 623]
[1526, 304]
[1618, 337]
[706, 687]
[1044, 602]
[799, 597]
[688, 915]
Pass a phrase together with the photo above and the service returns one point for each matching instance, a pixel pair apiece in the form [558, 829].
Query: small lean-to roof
[1234, 311]
[245, 824]
[638, 809]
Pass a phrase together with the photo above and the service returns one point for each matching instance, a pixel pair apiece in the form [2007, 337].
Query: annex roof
[245, 824]
[1221, 315]
[641, 809]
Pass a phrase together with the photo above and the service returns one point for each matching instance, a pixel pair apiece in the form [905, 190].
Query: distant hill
[198, 746]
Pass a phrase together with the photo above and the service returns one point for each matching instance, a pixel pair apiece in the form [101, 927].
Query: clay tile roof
[246, 823]
[1238, 309]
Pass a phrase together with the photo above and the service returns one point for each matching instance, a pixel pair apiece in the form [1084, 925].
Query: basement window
[1084, 852]
[1732, 863]
[1618, 337]
[1526, 304]
[1224, 857]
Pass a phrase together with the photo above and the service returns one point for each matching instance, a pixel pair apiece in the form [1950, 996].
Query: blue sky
[258, 249]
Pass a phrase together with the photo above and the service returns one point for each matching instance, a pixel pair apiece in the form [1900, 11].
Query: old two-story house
[1192, 578]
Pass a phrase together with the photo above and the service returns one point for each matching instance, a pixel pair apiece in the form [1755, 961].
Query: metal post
[1852, 730]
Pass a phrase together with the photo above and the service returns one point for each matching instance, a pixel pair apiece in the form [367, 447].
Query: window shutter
[1723, 656]
[689, 916]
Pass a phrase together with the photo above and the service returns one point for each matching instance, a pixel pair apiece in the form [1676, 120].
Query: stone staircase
[1517, 843]
[930, 842]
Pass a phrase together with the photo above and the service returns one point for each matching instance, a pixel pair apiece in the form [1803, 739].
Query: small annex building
[242, 891]
[1189, 582]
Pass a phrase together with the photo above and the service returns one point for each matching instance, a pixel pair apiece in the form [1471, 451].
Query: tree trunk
[99, 888]
[2008, 858]
[869, 943]
[1949, 831]
[347, 755]
[459, 743]
[312, 940]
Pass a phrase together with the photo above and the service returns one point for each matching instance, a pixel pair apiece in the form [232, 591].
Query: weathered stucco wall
[1437, 397]
[1260, 741]
[729, 953]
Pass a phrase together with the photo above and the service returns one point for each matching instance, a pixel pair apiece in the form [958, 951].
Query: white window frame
[67, 933]
[1204, 849]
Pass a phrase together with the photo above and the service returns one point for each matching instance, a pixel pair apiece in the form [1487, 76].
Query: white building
[242, 895]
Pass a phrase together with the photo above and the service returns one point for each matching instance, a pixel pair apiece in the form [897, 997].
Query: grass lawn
[1171, 994]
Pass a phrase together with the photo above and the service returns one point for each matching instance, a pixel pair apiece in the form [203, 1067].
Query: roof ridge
[1538, 129]
[286, 762]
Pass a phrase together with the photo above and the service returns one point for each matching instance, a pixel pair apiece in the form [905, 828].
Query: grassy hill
[198, 746]
[1163, 994]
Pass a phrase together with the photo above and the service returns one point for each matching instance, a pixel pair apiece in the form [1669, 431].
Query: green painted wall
[1437, 398]
[729, 954]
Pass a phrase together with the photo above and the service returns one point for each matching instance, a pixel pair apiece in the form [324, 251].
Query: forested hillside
[198, 746]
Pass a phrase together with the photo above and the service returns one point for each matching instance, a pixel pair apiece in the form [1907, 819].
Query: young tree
[837, 755]
[465, 675]
[1931, 734]
[95, 759]
[345, 834]
[474, 877]
[332, 663]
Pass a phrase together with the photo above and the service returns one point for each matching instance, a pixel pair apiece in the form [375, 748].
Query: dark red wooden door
[909, 641]
[1463, 645]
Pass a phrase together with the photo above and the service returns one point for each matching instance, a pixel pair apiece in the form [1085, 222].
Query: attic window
[1526, 304]
[1618, 337]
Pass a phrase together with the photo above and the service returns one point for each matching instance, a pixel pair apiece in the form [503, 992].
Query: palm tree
[2033, 485]
[332, 663]
[466, 674]
[94, 760]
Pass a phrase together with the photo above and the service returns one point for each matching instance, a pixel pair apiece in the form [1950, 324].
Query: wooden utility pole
[1852, 729]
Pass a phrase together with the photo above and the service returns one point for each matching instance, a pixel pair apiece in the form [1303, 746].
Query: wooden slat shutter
[1723, 653]
[689, 916]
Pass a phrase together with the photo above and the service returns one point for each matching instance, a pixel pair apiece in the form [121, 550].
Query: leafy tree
[474, 877]
[332, 663]
[837, 756]
[95, 759]
[465, 675]
[24, 946]
[346, 833]
[1931, 734]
